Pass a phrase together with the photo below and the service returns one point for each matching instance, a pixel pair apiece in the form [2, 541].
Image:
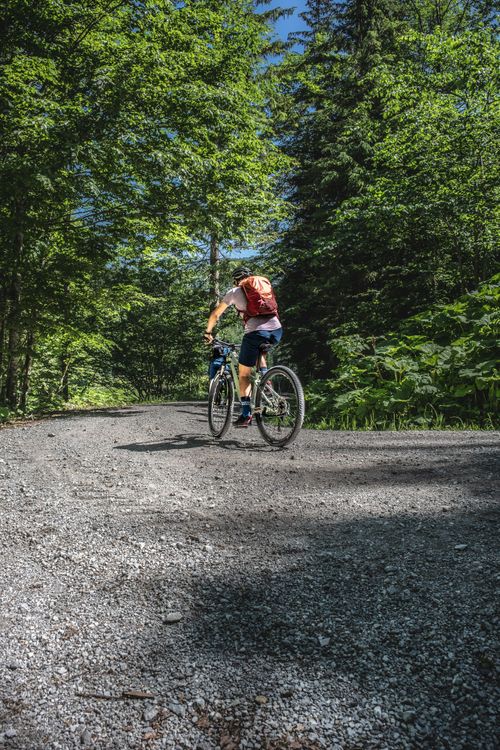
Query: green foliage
[157, 347]
[132, 131]
[440, 368]
[102, 396]
[391, 114]
[135, 136]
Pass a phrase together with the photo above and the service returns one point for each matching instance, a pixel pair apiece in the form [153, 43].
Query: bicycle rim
[220, 405]
[280, 406]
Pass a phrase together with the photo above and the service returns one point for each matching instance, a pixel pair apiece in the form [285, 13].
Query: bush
[5, 414]
[439, 369]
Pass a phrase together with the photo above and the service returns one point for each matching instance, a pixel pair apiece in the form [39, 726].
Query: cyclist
[259, 330]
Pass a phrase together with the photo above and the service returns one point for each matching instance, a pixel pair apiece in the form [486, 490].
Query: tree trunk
[28, 359]
[64, 362]
[14, 334]
[64, 366]
[214, 272]
[3, 331]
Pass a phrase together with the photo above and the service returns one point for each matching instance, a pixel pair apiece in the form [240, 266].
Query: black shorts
[250, 345]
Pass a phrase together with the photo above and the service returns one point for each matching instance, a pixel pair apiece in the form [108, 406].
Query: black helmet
[241, 273]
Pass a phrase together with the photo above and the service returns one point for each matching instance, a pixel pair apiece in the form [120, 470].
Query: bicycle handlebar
[219, 342]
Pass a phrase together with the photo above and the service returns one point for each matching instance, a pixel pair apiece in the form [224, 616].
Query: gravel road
[161, 590]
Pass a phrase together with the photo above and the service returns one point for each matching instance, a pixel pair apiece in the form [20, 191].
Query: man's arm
[213, 318]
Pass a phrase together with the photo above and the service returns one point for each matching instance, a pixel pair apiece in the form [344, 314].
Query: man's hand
[207, 337]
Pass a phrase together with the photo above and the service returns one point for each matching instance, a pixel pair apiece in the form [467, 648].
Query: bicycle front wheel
[279, 406]
[220, 404]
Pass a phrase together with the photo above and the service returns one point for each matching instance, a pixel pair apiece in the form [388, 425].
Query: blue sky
[292, 23]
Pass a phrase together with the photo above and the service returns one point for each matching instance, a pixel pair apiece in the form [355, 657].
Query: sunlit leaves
[422, 375]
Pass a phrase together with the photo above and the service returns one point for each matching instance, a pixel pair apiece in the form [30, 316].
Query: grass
[369, 424]
[101, 397]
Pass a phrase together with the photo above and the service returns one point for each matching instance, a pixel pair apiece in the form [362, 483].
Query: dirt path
[339, 594]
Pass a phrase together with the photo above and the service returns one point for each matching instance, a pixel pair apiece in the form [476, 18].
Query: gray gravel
[162, 590]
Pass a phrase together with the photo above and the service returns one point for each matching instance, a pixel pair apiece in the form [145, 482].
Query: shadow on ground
[394, 612]
[187, 442]
[113, 412]
[125, 411]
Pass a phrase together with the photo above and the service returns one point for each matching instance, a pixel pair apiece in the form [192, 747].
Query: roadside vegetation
[439, 370]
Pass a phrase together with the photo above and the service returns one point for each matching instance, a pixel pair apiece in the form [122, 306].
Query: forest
[149, 146]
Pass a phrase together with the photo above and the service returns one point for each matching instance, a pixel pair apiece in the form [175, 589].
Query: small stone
[377, 711]
[461, 547]
[323, 641]
[85, 737]
[408, 716]
[177, 709]
[51, 434]
[173, 617]
[150, 715]
[10, 732]
[261, 700]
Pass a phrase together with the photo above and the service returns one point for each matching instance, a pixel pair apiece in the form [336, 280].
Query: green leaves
[129, 131]
[392, 117]
[414, 379]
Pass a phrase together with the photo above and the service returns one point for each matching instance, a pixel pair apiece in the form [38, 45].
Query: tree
[356, 248]
[430, 209]
[327, 131]
[156, 347]
[122, 126]
[233, 198]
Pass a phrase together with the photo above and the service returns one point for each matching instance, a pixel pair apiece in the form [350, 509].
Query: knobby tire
[300, 407]
[219, 415]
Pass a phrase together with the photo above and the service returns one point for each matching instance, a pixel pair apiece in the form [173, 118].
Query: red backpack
[260, 297]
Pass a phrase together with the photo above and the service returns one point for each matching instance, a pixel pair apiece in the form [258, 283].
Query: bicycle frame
[232, 360]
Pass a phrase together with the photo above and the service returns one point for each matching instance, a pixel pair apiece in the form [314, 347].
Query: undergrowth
[440, 370]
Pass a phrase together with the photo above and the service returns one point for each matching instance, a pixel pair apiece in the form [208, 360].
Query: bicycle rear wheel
[279, 406]
[220, 404]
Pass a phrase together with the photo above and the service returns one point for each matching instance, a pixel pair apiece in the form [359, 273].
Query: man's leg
[248, 357]
[244, 378]
[273, 338]
[245, 419]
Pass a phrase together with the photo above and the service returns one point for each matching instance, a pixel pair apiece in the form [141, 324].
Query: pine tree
[331, 143]
[351, 262]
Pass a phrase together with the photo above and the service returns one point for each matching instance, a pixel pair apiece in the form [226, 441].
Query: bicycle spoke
[281, 406]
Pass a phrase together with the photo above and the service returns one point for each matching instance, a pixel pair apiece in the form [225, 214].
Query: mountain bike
[277, 398]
